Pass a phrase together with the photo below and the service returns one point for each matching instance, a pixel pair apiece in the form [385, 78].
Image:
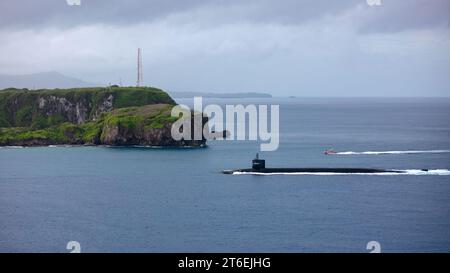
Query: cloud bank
[303, 48]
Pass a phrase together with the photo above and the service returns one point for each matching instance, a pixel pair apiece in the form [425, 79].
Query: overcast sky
[284, 47]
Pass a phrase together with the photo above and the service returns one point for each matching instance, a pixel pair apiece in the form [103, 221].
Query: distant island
[219, 95]
[88, 116]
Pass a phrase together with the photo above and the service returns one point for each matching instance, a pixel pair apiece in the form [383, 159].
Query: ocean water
[177, 200]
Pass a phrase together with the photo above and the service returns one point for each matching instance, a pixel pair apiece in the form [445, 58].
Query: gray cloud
[400, 15]
[56, 13]
[391, 16]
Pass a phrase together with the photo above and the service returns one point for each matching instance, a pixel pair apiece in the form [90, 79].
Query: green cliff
[93, 116]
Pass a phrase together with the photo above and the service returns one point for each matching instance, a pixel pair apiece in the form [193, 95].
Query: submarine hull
[311, 170]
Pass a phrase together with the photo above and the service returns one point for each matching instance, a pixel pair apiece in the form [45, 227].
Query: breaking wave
[394, 172]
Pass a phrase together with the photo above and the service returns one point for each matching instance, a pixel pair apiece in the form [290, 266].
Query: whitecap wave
[393, 152]
[394, 172]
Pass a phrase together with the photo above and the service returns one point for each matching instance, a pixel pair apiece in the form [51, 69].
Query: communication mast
[140, 74]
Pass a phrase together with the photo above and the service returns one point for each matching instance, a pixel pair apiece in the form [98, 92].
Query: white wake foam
[394, 172]
[12, 147]
[393, 152]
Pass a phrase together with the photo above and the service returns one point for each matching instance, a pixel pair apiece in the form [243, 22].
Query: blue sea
[177, 200]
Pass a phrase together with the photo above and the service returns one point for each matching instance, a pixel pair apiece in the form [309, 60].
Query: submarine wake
[387, 173]
[393, 152]
[259, 168]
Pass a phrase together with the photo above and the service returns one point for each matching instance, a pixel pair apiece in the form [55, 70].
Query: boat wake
[393, 152]
[394, 172]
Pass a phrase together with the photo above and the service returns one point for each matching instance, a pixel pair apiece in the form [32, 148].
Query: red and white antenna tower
[140, 74]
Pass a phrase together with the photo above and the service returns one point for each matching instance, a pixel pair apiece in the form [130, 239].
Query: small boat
[329, 152]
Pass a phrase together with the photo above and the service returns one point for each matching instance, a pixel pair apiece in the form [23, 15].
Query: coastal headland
[116, 116]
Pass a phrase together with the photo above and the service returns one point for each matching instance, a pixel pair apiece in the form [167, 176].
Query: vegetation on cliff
[111, 116]
[48, 107]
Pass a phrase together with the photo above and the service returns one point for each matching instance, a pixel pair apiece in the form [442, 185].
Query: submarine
[259, 167]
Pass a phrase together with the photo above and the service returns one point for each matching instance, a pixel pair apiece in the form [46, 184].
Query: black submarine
[259, 167]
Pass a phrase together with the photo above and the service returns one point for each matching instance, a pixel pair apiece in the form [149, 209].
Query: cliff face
[44, 108]
[107, 116]
[76, 111]
[145, 125]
